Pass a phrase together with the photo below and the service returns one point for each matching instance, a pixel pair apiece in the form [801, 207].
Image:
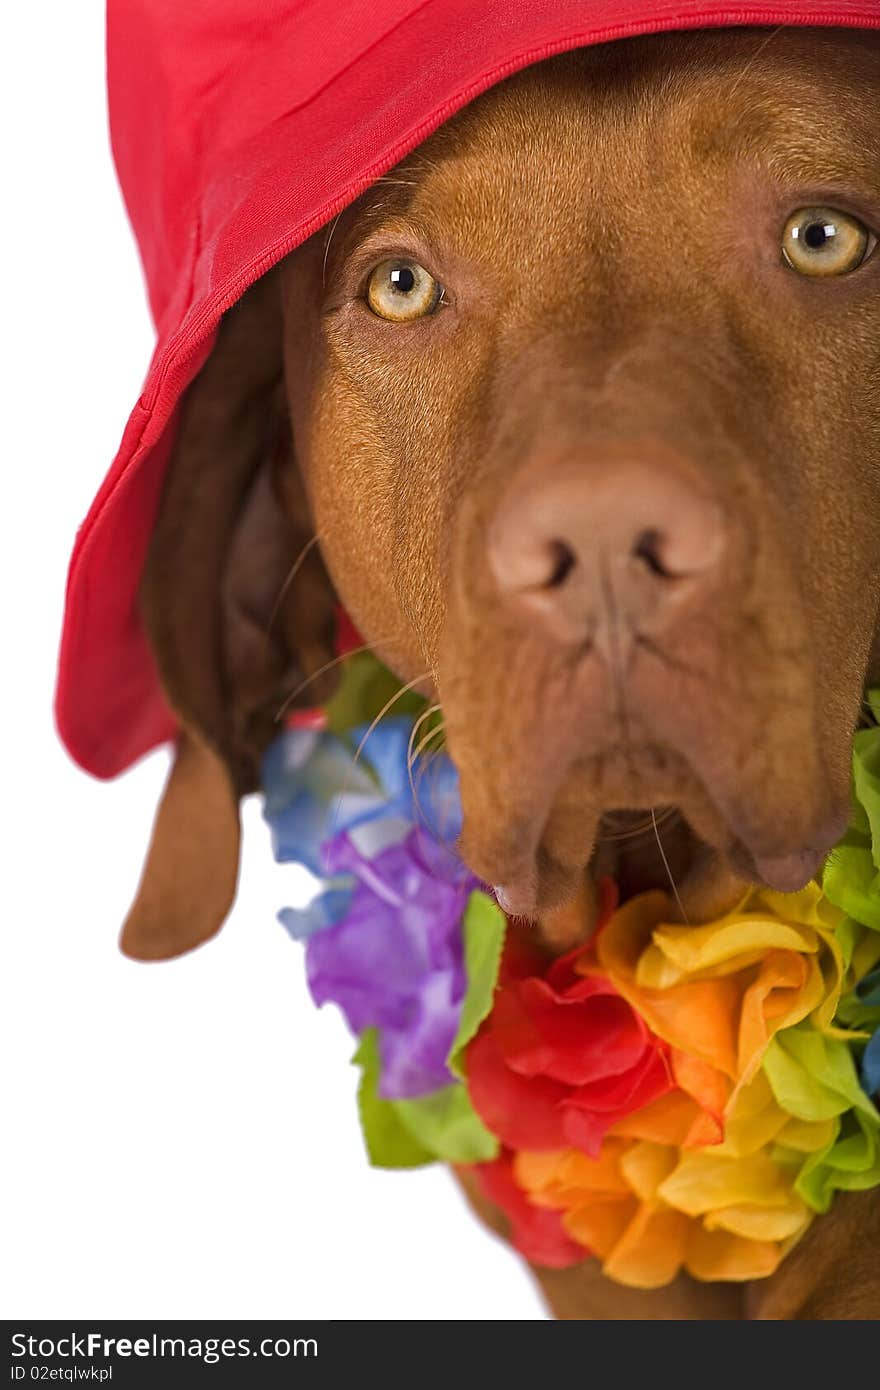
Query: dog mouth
[642, 851]
[704, 823]
[689, 852]
[639, 850]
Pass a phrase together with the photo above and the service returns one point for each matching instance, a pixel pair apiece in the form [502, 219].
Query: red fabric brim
[110, 709]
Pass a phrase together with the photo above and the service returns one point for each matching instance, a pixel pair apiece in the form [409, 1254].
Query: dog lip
[784, 873]
[789, 872]
[503, 898]
[788, 869]
[532, 885]
[517, 897]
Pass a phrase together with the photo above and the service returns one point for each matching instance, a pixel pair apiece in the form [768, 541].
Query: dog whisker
[438, 729]
[389, 704]
[328, 666]
[411, 756]
[669, 872]
[426, 763]
[425, 759]
[637, 831]
[291, 575]
[333, 226]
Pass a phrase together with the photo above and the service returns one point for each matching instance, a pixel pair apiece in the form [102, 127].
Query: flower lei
[663, 1097]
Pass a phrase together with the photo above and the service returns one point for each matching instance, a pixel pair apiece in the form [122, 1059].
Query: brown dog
[583, 407]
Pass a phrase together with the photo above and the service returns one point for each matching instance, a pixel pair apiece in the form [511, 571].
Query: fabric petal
[590, 1111]
[536, 1232]
[651, 1251]
[525, 1113]
[569, 1037]
[719, 1255]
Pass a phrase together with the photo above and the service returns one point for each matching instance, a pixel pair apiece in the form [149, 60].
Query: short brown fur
[607, 230]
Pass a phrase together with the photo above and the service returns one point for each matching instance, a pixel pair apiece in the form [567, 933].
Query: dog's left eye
[823, 241]
[402, 290]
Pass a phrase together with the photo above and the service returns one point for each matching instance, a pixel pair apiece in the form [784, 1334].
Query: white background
[181, 1139]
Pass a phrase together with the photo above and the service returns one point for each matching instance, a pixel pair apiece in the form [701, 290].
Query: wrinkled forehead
[592, 128]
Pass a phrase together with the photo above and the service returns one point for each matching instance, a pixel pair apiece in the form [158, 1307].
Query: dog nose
[585, 551]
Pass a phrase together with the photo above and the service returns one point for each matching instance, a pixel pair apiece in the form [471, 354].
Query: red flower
[561, 1057]
[536, 1232]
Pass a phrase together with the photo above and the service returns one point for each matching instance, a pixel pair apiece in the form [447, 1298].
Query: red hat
[238, 130]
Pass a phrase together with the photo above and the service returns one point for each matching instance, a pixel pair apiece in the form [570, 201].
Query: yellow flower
[720, 992]
[649, 1209]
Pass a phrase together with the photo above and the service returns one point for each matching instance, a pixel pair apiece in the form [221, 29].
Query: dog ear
[239, 611]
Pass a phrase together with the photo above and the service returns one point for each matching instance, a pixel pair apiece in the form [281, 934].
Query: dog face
[596, 374]
[578, 414]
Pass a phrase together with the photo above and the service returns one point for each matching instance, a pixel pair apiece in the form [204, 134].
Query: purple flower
[394, 962]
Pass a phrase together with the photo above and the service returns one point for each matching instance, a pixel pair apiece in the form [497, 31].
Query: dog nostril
[648, 549]
[562, 562]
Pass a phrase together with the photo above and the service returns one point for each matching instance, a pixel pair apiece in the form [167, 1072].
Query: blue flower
[868, 992]
[314, 789]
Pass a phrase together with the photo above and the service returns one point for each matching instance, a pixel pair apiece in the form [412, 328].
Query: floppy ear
[239, 612]
[833, 1273]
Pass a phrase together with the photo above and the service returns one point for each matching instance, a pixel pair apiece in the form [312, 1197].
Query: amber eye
[824, 242]
[402, 290]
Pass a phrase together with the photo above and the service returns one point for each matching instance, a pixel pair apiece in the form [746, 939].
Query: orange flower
[647, 1209]
[718, 993]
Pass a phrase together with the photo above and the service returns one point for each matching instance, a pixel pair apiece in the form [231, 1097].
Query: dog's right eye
[402, 290]
[821, 242]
